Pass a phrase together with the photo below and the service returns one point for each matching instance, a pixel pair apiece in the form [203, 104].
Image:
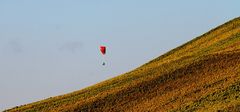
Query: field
[202, 74]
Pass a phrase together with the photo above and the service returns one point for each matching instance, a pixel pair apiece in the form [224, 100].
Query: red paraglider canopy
[103, 49]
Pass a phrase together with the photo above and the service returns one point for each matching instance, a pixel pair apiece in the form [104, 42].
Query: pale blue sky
[50, 47]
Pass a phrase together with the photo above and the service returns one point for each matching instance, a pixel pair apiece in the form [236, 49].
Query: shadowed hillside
[203, 74]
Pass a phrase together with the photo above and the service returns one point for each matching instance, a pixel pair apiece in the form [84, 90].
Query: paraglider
[103, 51]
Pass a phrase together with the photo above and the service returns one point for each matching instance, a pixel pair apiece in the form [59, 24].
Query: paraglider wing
[103, 49]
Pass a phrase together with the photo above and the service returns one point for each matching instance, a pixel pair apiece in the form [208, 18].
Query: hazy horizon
[49, 48]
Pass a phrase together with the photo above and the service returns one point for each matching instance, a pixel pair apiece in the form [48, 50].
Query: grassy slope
[203, 74]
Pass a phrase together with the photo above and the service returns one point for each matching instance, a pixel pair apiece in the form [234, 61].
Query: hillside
[203, 74]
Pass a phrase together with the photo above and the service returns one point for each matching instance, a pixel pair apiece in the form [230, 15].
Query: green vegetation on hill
[202, 74]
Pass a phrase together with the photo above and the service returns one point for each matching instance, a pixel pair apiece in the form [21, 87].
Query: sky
[51, 47]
